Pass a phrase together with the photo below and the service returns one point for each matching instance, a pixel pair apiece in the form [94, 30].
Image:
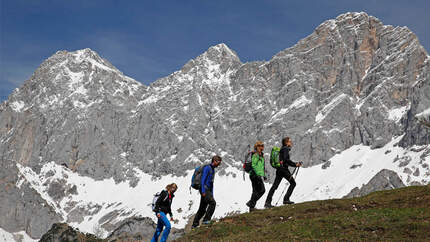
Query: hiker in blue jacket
[163, 207]
[207, 201]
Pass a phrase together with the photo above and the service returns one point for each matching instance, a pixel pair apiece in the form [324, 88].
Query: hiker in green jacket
[257, 175]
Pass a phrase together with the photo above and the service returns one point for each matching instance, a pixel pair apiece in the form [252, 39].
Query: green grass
[395, 215]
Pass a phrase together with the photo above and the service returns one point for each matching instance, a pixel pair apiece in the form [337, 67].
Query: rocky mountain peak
[221, 52]
[77, 79]
[79, 60]
[218, 56]
[213, 68]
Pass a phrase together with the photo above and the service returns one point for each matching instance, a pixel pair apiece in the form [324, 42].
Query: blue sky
[149, 39]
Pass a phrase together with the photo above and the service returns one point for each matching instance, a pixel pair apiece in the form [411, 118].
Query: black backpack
[197, 177]
[247, 162]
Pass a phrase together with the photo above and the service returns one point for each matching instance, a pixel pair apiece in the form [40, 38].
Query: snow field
[352, 168]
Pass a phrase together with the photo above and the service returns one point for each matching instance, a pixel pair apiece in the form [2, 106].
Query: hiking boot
[193, 227]
[207, 222]
[268, 205]
[288, 202]
[248, 204]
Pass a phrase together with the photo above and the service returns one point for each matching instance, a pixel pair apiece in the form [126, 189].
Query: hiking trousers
[281, 173]
[206, 208]
[257, 189]
[162, 222]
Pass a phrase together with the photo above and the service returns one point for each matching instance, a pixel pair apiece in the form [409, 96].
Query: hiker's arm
[288, 160]
[212, 187]
[291, 163]
[204, 178]
[170, 212]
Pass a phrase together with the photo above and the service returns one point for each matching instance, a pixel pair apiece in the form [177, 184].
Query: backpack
[247, 163]
[156, 196]
[197, 177]
[274, 157]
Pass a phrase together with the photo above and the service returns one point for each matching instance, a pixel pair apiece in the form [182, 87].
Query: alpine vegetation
[83, 144]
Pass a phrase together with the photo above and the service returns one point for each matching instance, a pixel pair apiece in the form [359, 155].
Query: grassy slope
[392, 215]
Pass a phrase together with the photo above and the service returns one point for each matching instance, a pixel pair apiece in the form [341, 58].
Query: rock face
[21, 207]
[352, 81]
[138, 228]
[384, 180]
[132, 229]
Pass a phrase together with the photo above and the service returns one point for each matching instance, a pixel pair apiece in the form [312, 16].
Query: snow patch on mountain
[340, 178]
[298, 103]
[423, 114]
[397, 113]
[17, 236]
[103, 197]
[327, 108]
[17, 106]
[88, 55]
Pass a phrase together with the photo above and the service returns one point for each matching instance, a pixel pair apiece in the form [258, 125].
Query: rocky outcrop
[63, 232]
[424, 118]
[131, 229]
[137, 228]
[383, 180]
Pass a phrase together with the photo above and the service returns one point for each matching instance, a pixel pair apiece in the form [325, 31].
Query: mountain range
[83, 144]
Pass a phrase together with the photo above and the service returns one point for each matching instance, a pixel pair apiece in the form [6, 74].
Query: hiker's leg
[254, 195]
[200, 212]
[290, 188]
[158, 230]
[260, 188]
[275, 186]
[211, 208]
[166, 229]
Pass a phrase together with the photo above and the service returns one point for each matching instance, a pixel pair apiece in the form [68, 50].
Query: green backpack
[274, 157]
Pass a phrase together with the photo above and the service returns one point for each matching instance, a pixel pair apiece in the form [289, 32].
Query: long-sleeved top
[257, 164]
[164, 203]
[284, 156]
[207, 181]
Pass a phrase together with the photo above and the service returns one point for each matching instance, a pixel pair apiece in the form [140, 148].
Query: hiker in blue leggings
[163, 207]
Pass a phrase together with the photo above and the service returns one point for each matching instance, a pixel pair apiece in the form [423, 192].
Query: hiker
[207, 201]
[257, 174]
[162, 207]
[283, 172]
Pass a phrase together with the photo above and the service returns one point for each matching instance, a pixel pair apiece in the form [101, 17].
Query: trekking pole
[297, 172]
[301, 163]
[295, 169]
[286, 185]
[246, 157]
